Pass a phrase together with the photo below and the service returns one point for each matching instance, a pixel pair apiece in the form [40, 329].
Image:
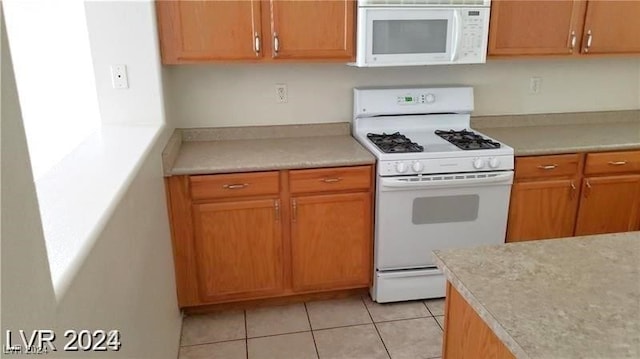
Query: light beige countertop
[564, 133]
[560, 298]
[261, 148]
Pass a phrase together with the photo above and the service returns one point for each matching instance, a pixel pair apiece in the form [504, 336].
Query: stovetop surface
[467, 140]
[394, 143]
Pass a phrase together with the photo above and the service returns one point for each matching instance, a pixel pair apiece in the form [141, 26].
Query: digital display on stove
[474, 13]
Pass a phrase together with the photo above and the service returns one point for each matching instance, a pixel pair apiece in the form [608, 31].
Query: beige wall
[243, 94]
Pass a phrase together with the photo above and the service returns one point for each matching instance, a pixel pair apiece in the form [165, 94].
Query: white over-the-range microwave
[422, 32]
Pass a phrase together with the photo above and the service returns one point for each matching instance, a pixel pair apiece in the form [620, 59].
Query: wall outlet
[535, 85]
[281, 93]
[119, 77]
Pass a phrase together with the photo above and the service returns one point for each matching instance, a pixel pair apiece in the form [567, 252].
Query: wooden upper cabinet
[535, 27]
[238, 249]
[194, 31]
[313, 29]
[612, 26]
[255, 30]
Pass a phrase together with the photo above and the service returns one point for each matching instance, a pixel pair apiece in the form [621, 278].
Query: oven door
[388, 37]
[418, 214]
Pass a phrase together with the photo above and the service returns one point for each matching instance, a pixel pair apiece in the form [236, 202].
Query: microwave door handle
[502, 178]
[457, 31]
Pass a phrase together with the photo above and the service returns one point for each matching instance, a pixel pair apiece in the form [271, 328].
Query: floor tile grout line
[246, 335]
[275, 335]
[437, 322]
[376, 328]
[214, 342]
[315, 345]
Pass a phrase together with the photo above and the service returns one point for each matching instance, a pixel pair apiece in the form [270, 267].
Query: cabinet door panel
[313, 29]
[614, 26]
[534, 27]
[609, 204]
[331, 241]
[208, 30]
[238, 249]
[542, 209]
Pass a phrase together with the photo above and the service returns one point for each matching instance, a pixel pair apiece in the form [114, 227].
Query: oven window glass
[445, 209]
[409, 37]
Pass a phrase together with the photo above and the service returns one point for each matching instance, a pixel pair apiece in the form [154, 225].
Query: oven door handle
[440, 181]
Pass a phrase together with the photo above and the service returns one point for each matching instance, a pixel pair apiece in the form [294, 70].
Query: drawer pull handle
[617, 163]
[547, 167]
[235, 186]
[276, 206]
[331, 180]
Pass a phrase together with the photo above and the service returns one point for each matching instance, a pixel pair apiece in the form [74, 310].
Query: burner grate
[394, 143]
[467, 140]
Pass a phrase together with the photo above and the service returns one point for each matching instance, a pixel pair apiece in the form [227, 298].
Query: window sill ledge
[79, 194]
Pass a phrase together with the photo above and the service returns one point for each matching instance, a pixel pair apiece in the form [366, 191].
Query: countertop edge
[482, 312]
[171, 151]
[286, 166]
[576, 149]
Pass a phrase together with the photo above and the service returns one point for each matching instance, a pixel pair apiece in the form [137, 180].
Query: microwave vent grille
[424, 2]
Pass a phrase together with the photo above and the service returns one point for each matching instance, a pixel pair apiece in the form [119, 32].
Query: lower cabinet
[542, 209]
[331, 241]
[548, 202]
[544, 197]
[234, 240]
[609, 204]
[238, 249]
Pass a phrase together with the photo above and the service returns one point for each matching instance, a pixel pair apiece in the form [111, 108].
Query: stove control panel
[445, 165]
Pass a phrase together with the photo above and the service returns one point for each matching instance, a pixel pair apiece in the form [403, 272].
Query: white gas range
[439, 183]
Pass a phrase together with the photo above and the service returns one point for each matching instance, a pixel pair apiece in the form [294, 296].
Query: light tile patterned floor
[351, 328]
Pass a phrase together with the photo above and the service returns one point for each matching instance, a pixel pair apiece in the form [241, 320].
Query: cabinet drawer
[548, 166]
[234, 185]
[330, 179]
[613, 162]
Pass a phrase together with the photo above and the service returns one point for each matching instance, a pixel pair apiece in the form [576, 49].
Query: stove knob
[430, 98]
[401, 167]
[417, 167]
[478, 163]
[494, 162]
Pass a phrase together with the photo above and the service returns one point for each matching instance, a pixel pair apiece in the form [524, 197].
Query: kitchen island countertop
[560, 298]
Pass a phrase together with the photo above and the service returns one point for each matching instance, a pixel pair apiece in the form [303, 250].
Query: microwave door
[413, 36]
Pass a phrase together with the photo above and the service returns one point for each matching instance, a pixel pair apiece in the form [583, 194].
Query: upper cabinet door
[313, 29]
[612, 27]
[535, 27]
[196, 31]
